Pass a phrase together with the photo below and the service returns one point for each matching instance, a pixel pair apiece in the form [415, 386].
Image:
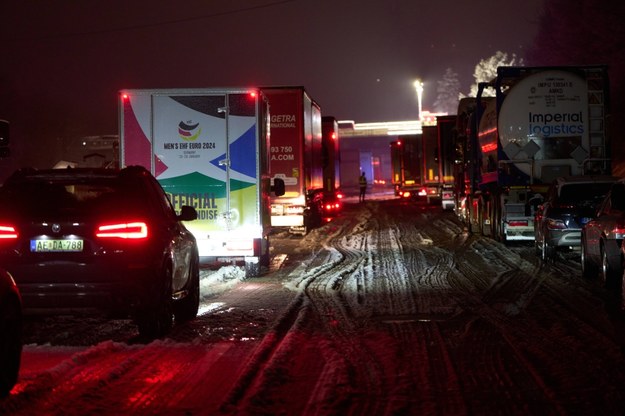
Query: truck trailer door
[203, 148]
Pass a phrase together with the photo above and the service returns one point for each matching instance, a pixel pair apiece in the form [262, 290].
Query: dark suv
[77, 240]
[570, 203]
[602, 239]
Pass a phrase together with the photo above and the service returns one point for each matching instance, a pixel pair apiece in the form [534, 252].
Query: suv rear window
[583, 192]
[39, 195]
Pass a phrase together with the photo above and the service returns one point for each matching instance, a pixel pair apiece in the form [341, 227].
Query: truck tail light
[518, 223]
[8, 232]
[125, 230]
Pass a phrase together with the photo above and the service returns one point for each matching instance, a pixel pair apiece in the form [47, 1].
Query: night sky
[66, 60]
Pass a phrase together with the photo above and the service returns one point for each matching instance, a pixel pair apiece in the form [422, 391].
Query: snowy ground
[392, 308]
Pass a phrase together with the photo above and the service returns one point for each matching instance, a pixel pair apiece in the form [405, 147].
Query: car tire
[10, 345]
[157, 318]
[589, 268]
[186, 308]
[611, 270]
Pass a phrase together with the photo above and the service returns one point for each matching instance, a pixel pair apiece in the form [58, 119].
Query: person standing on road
[362, 181]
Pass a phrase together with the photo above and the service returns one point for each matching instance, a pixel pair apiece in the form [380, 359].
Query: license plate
[47, 246]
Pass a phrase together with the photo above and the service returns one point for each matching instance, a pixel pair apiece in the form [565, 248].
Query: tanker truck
[542, 123]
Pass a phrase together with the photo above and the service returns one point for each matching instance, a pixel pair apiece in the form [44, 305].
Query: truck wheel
[487, 229]
[498, 228]
[307, 222]
[155, 320]
[475, 223]
[265, 258]
[186, 308]
[252, 267]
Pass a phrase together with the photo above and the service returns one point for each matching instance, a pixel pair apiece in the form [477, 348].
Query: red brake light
[553, 224]
[619, 229]
[7, 232]
[518, 223]
[134, 230]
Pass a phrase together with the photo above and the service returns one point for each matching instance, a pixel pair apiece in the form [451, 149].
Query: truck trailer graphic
[208, 148]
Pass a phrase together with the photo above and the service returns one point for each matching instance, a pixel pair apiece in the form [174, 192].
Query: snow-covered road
[391, 308]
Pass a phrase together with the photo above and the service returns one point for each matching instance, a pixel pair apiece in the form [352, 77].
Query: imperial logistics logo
[189, 132]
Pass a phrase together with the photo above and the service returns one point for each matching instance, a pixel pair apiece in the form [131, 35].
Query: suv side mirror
[278, 186]
[187, 213]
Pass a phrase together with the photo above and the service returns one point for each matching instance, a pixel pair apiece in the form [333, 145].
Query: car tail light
[126, 230]
[405, 194]
[555, 224]
[619, 230]
[7, 232]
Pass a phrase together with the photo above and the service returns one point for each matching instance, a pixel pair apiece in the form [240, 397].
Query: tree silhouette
[447, 93]
[486, 69]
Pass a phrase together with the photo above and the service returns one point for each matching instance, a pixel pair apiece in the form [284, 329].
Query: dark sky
[66, 60]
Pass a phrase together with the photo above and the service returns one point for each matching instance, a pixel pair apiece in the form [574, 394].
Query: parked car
[569, 204]
[602, 239]
[77, 240]
[10, 332]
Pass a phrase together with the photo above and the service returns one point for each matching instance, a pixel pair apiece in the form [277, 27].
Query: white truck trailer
[208, 148]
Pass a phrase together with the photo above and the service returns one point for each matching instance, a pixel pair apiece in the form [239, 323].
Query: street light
[418, 84]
